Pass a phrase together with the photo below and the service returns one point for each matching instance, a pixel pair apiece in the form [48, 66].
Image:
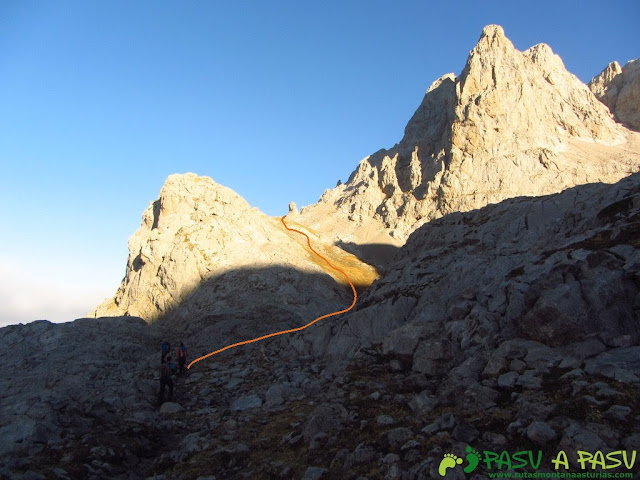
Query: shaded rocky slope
[511, 124]
[554, 269]
[69, 384]
[509, 327]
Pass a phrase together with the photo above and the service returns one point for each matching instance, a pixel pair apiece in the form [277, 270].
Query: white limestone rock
[619, 89]
[511, 124]
[209, 266]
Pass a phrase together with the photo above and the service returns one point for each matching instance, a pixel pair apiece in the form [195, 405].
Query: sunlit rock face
[511, 124]
[205, 261]
[619, 89]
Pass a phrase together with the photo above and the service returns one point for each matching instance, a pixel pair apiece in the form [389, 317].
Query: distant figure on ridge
[166, 378]
[182, 358]
[166, 349]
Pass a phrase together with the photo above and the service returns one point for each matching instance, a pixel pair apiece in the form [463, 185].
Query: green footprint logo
[449, 461]
[473, 457]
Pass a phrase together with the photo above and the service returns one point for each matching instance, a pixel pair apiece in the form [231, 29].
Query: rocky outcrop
[511, 124]
[205, 262]
[606, 85]
[555, 270]
[72, 382]
[619, 89]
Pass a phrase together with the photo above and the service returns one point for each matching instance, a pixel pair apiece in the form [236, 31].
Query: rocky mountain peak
[511, 124]
[510, 101]
[194, 199]
[202, 244]
[492, 51]
[619, 89]
[494, 34]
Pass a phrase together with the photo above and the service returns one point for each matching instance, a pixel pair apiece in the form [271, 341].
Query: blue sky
[102, 100]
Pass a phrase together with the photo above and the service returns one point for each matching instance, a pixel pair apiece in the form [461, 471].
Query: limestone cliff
[511, 124]
[619, 89]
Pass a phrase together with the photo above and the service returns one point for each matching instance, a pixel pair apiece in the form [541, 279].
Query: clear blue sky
[102, 100]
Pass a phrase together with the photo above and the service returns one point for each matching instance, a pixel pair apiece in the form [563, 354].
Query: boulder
[445, 421]
[423, 403]
[315, 473]
[246, 402]
[327, 418]
[622, 364]
[171, 407]
[540, 433]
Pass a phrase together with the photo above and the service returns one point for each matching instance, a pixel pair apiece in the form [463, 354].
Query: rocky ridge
[511, 124]
[619, 89]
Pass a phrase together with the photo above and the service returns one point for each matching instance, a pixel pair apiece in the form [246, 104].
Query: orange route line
[292, 330]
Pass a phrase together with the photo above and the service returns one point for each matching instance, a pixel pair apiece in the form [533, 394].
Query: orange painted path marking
[275, 334]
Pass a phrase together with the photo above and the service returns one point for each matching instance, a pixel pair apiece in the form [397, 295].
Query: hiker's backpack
[182, 352]
[166, 371]
[165, 347]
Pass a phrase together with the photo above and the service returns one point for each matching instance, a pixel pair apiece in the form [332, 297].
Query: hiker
[166, 349]
[182, 359]
[166, 378]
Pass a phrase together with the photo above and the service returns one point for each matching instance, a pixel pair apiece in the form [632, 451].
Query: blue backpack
[168, 369]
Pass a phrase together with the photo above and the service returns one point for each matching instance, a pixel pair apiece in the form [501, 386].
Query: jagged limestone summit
[619, 89]
[505, 318]
[511, 124]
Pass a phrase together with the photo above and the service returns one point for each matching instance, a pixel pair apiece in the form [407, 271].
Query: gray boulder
[171, 407]
[540, 433]
[327, 418]
[622, 364]
[315, 473]
[246, 402]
